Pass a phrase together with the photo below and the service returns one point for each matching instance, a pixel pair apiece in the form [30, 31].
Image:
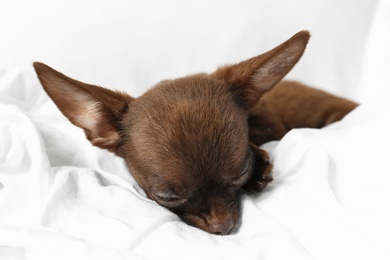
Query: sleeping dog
[192, 143]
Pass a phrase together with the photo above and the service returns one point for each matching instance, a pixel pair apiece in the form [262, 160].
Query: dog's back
[291, 105]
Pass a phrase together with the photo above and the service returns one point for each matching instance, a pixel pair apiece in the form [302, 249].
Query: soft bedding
[62, 198]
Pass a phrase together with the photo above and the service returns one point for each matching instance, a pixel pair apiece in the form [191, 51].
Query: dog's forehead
[191, 103]
[192, 125]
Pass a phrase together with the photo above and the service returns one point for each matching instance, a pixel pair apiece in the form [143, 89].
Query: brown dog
[192, 143]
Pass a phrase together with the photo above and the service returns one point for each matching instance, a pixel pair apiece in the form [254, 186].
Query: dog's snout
[221, 227]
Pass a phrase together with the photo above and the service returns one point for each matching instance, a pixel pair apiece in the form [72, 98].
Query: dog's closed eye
[247, 166]
[168, 199]
[246, 171]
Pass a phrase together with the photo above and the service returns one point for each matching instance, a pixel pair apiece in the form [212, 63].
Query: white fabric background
[134, 44]
[61, 198]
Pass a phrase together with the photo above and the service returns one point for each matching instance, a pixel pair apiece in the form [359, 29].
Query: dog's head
[185, 141]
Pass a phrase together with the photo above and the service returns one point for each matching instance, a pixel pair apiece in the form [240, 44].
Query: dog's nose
[221, 228]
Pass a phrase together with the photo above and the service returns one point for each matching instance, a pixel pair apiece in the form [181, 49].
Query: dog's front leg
[262, 171]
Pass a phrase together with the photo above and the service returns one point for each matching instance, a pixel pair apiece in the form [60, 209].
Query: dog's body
[293, 105]
[192, 143]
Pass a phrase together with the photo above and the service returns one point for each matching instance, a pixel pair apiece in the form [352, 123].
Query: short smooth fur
[192, 143]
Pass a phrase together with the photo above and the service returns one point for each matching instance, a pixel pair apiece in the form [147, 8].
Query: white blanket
[61, 198]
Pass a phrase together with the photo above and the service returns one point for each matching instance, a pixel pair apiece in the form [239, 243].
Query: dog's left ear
[259, 74]
[97, 110]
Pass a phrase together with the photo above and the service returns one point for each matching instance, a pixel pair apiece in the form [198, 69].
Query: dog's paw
[262, 171]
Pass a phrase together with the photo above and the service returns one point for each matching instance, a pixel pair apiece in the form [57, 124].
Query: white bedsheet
[61, 198]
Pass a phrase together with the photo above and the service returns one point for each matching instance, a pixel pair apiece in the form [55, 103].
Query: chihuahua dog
[192, 143]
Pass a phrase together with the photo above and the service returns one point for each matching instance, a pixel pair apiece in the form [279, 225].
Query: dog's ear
[259, 74]
[95, 109]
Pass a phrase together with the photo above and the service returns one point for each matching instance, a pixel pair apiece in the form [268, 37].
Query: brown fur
[192, 143]
[280, 110]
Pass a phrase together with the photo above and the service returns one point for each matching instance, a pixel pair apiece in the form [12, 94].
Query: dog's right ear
[259, 74]
[95, 109]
